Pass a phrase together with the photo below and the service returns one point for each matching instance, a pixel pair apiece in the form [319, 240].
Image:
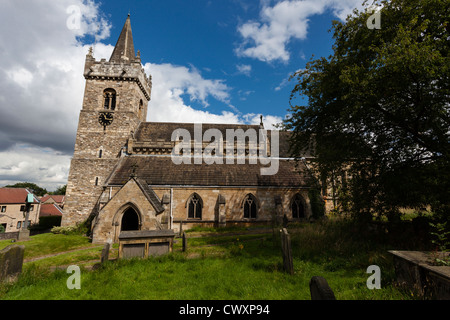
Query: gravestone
[11, 261]
[105, 253]
[184, 242]
[287, 251]
[320, 290]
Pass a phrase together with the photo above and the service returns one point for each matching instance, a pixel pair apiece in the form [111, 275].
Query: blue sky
[224, 61]
[204, 36]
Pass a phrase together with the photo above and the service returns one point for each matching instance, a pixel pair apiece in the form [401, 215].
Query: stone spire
[124, 49]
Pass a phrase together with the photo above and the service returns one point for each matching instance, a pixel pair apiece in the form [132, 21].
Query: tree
[60, 190]
[378, 109]
[38, 191]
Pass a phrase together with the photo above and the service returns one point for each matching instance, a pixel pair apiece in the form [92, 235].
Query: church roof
[150, 195]
[124, 46]
[161, 170]
[162, 132]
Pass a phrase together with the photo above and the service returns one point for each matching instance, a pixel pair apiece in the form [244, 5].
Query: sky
[226, 61]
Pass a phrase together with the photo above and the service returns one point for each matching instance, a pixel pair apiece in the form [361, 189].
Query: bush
[79, 229]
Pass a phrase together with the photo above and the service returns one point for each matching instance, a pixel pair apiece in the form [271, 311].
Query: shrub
[79, 229]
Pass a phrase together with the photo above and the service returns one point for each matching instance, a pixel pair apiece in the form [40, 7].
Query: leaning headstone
[184, 242]
[11, 261]
[287, 251]
[320, 290]
[105, 253]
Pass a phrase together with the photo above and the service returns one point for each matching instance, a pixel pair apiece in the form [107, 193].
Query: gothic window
[250, 207]
[297, 207]
[195, 207]
[109, 99]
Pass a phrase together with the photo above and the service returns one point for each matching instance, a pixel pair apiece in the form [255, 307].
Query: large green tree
[378, 107]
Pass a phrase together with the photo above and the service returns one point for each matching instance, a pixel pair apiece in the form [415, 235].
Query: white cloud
[41, 85]
[266, 39]
[24, 163]
[171, 82]
[244, 69]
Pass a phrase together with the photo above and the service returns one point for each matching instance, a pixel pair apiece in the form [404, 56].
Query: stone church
[123, 175]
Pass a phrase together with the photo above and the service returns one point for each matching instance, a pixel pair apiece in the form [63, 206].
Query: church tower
[115, 102]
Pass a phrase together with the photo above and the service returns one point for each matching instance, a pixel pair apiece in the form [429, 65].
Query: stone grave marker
[11, 261]
[287, 251]
[320, 290]
[184, 242]
[105, 253]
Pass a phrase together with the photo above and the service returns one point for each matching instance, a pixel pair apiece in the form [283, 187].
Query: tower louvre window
[109, 99]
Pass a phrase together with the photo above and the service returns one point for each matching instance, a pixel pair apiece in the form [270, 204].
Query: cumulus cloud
[41, 87]
[25, 163]
[267, 38]
[171, 83]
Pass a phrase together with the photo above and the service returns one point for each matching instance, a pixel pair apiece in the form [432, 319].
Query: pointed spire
[124, 49]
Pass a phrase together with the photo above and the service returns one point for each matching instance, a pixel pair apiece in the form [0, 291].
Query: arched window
[250, 207]
[109, 99]
[298, 207]
[195, 205]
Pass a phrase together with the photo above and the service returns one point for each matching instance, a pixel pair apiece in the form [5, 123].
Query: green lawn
[219, 267]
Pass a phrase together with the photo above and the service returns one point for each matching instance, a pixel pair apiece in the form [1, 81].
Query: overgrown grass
[49, 243]
[232, 267]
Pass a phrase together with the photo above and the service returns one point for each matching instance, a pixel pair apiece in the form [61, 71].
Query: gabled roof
[15, 196]
[56, 198]
[124, 46]
[150, 195]
[50, 209]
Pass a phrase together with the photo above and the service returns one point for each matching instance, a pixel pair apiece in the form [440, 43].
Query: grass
[222, 267]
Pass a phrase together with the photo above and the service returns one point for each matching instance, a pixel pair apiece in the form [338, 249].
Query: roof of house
[161, 170]
[15, 196]
[56, 198]
[50, 209]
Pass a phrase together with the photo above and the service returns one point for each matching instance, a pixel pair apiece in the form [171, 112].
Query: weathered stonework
[123, 178]
[99, 148]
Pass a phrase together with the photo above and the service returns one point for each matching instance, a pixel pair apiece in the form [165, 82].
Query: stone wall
[88, 171]
[107, 225]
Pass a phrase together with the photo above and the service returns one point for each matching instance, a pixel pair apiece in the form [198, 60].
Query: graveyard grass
[218, 267]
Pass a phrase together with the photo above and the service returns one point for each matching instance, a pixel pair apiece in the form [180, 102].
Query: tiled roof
[50, 209]
[14, 196]
[151, 195]
[161, 170]
[56, 198]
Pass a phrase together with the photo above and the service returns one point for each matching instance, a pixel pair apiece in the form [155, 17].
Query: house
[53, 198]
[13, 206]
